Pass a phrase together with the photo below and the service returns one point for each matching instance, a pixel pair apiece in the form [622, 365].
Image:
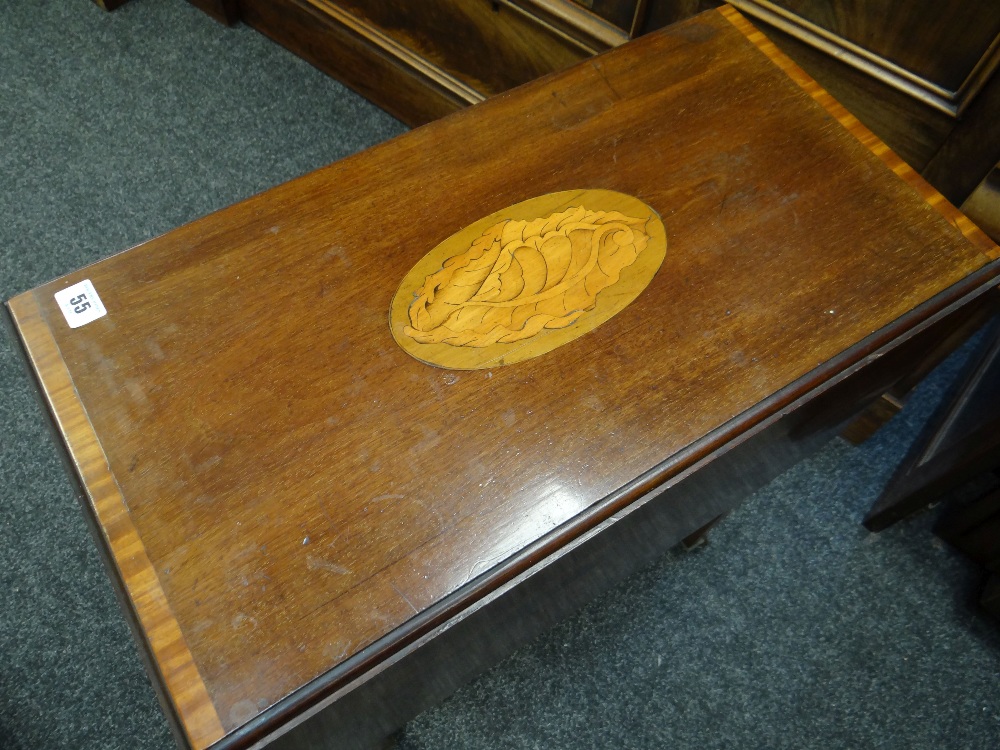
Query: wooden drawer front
[489, 46]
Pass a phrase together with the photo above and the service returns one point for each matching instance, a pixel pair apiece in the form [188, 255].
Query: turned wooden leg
[961, 441]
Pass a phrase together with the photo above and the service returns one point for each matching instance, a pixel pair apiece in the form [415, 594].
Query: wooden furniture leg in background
[990, 598]
[961, 442]
[974, 529]
[890, 403]
[699, 538]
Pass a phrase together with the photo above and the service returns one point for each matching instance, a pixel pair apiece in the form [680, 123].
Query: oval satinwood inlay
[528, 279]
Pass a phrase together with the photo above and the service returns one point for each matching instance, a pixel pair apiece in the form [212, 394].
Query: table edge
[260, 730]
[184, 694]
[872, 142]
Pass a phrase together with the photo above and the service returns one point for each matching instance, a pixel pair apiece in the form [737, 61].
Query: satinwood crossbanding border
[167, 648]
[874, 144]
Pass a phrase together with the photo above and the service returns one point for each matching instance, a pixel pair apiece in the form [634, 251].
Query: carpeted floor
[793, 628]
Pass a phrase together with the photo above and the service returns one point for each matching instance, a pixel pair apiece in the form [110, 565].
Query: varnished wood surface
[546, 589]
[851, 123]
[302, 488]
[590, 29]
[914, 130]
[423, 60]
[924, 78]
[908, 80]
[490, 47]
[170, 654]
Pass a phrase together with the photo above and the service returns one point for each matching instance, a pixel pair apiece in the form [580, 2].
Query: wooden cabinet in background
[919, 73]
[422, 60]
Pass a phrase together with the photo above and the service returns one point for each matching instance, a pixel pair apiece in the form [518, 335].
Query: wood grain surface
[490, 47]
[923, 80]
[303, 489]
[588, 27]
[931, 195]
[170, 655]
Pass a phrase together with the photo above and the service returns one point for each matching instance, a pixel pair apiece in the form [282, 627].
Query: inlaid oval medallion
[528, 279]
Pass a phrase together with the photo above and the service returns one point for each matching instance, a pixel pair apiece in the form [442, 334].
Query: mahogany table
[348, 442]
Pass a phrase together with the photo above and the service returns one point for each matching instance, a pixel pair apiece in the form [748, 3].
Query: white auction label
[80, 304]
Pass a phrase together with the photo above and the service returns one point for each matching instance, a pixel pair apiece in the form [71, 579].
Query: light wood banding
[934, 198]
[167, 648]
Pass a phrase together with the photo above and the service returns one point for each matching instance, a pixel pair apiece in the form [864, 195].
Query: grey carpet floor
[793, 628]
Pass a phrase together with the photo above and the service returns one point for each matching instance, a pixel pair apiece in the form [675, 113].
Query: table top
[287, 493]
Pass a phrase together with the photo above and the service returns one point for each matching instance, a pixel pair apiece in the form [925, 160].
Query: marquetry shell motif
[525, 280]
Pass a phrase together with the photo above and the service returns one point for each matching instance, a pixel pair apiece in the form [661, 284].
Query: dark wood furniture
[975, 530]
[316, 535]
[960, 442]
[919, 74]
[223, 11]
[983, 206]
[423, 59]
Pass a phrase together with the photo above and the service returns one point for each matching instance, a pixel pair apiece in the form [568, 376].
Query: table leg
[961, 442]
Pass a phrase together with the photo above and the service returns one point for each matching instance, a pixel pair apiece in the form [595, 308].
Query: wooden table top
[288, 495]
